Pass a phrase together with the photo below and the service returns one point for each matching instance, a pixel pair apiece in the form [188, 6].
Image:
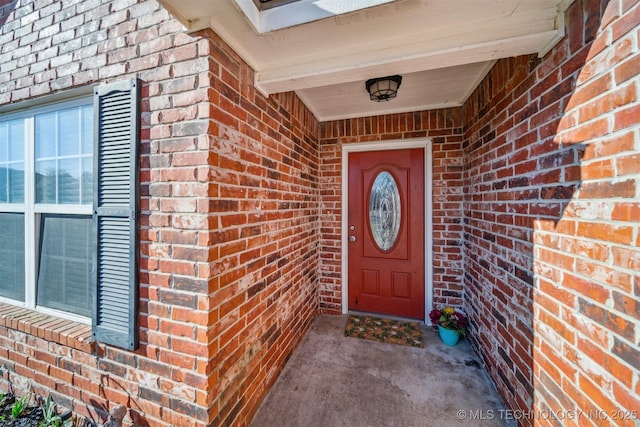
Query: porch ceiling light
[383, 88]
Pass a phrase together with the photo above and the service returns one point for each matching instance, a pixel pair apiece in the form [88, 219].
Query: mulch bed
[30, 416]
[33, 413]
[384, 330]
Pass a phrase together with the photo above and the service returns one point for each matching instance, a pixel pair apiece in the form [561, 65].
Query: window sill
[65, 332]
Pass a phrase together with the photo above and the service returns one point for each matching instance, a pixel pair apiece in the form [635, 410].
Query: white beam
[321, 74]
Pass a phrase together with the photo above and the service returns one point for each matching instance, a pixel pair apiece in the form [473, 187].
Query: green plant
[19, 406]
[51, 418]
[449, 318]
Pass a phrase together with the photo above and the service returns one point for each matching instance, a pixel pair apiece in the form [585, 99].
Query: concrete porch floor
[333, 380]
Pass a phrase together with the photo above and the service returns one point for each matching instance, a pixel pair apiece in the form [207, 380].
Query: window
[12, 212]
[69, 209]
[46, 198]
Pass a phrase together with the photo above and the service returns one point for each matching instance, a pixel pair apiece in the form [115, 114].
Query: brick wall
[536, 207]
[264, 228]
[552, 204]
[444, 128]
[228, 227]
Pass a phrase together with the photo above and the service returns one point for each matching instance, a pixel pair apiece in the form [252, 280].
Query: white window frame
[33, 212]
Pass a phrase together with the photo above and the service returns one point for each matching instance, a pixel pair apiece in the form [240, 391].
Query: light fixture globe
[383, 88]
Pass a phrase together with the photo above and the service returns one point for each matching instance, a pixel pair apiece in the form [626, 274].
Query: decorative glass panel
[66, 260]
[384, 211]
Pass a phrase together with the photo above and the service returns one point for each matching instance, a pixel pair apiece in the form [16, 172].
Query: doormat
[384, 330]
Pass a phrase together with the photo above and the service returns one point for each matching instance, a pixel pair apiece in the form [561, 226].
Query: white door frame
[397, 144]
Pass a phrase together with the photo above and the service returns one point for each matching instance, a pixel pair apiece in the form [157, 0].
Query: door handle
[352, 238]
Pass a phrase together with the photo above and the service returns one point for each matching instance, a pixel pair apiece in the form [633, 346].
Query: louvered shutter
[115, 213]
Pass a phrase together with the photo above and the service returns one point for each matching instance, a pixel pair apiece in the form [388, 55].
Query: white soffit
[424, 90]
[334, 46]
[300, 12]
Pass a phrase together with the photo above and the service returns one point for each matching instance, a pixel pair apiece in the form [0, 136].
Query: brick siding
[443, 127]
[229, 219]
[551, 210]
[535, 194]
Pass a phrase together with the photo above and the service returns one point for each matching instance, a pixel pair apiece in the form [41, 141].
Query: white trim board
[398, 144]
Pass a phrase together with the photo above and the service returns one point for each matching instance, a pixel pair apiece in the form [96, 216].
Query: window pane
[87, 180]
[68, 132]
[16, 141]
[46, 135]
[87, 129]
[12, 161]
[12, 255]
[66, 261]
[4, 184]
[63, 141]
[46, 181]
[16, 185]
[4, 142]
[69, 181]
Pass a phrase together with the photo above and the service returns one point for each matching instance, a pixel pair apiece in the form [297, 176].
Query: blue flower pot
[448, 336]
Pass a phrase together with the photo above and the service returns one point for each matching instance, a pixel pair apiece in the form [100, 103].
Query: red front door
[386, 232]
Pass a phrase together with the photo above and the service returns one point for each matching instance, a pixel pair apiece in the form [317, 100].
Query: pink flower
[449, 318]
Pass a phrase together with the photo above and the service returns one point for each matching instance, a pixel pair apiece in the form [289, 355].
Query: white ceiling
[325, 50]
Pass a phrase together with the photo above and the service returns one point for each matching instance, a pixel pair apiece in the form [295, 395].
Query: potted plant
[451, 324]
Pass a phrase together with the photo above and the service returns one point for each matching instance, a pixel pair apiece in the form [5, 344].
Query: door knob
[352, 238]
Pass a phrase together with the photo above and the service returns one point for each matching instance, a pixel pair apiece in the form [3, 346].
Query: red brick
[598, 169]
[177, 329]
[626, 23]
[627, 69]
[603, 402]
[522, 119]
[179, 360]
[605, 232]
[626, 211]
[179, 54]
[629, 402]
[610, 146]
[610, 102]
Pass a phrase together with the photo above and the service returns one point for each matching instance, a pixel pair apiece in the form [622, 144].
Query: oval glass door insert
[384, 211]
